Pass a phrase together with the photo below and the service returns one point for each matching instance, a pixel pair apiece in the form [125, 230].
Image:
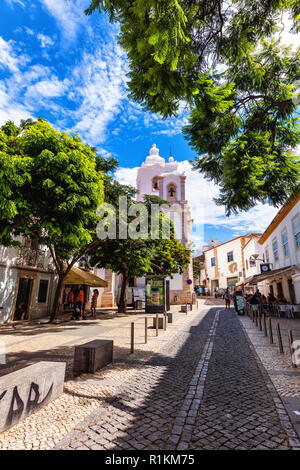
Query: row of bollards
[189, 306]
[261, 323]
[146, 330]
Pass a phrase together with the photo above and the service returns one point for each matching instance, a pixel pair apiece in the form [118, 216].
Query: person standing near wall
[94, 302]
[70, 299]
[80, 301]
[227, 298]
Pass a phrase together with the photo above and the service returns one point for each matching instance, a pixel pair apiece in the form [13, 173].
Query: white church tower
[156, 177]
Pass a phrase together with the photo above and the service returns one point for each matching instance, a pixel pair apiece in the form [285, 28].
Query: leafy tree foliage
[198, 266]
[240, 84]
[49, 190]
[144, 255]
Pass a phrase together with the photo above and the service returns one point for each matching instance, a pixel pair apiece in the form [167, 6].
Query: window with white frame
[213, 261]
[275, 249]
[267, 256]
[296, 230]
[285, 244]
[230, 256]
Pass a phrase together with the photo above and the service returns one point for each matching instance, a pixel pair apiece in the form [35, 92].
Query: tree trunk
[57, 303]
[122, 307]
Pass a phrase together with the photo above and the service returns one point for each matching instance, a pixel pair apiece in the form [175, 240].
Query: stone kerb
[25, 391]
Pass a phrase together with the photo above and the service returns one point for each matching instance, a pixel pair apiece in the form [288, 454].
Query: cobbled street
[206, 389]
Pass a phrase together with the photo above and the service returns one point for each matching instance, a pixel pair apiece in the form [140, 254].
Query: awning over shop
[240, 284]
[253, 280]
[78, 276]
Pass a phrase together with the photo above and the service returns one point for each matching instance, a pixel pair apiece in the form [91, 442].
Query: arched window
[155, 184]
[171, 192]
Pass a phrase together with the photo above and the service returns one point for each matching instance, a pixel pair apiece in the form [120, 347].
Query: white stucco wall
[291, 259]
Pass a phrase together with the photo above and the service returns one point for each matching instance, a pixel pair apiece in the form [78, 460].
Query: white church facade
[163, 179]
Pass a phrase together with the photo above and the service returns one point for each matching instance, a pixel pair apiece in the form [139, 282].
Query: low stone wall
[25, 391]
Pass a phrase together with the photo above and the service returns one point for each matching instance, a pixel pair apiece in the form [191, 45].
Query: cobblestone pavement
[285, 378]
[206, 389]
[85, 394]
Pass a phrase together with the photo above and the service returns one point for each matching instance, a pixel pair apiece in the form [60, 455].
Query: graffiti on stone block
[17, 405]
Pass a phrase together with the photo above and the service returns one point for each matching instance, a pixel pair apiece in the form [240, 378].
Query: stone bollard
[146, 330]
[265, 325]
[279, 338]
[132, 338]
[270, 332]
[291, 341]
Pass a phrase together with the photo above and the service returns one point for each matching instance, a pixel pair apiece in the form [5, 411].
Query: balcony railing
[30, 257]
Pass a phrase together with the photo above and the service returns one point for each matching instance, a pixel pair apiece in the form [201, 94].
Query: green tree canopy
[49, 190]
[144, 254]
[240, 85]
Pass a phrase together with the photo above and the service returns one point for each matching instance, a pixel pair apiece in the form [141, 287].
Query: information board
[155, 295]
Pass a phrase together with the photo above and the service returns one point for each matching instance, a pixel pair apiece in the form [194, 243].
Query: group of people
[76, 303]
[200, 291]
[257, 298]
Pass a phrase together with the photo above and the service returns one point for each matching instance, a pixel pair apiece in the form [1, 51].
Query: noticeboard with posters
[239, 302]
[155, 295]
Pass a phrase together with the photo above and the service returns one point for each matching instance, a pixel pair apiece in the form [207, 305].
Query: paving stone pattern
[204, 390]
[237, 410]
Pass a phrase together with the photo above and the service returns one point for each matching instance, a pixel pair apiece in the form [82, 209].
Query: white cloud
[126, 175]
[69, 16]
[98, 84]
[45, 40]
[8, 58]
[26, 88]
[10, 109]
[48, 88]
[11, 3]
[173, 126]
[29, 31]
[200, 194]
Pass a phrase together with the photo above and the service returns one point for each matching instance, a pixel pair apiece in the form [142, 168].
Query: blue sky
[68, 68]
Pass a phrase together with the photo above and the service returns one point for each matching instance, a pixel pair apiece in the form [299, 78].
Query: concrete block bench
[92, 356]
[161, 321]
[172, 317]
[27, 390]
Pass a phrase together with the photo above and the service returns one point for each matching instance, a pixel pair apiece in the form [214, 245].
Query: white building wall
[224, 269]
[253, 247]
[10, 273]
[284, 260]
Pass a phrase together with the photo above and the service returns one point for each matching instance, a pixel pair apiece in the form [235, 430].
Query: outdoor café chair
[289, 311]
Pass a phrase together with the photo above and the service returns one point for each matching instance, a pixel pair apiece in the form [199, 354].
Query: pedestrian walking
[227, 298]
[70, 299]
[94, 302]
[80, 301]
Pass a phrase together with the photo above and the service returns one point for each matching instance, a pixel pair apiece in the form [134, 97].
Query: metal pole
[146, 330]
[291, 340]
[259, 321]
[156, 324]
[186, 308]
[265, 325]
[165, 321]
[132, 338]
[271, 332]
[279, 338]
